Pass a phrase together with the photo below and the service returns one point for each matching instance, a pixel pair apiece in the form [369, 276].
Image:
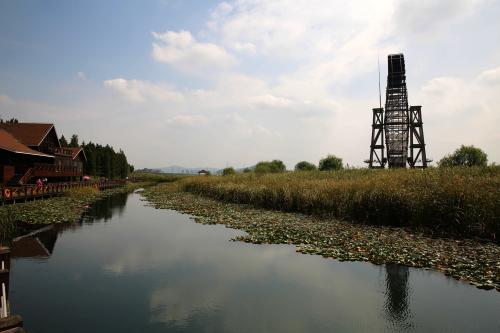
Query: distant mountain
[186, 170]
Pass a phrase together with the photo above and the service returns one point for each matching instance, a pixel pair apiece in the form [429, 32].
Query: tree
[305, 166]
[465, 156]
[331, 162]
[73, 141]
[9, 121]
[275, 166]
[63, 142]
[228, 171]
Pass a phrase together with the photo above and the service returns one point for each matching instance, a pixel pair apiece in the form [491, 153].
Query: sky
[216, 84]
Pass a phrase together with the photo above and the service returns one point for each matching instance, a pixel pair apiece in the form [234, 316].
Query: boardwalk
[12, 194]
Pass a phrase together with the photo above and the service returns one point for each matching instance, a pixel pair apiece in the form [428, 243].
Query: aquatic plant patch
[468, 260]
[61, 209]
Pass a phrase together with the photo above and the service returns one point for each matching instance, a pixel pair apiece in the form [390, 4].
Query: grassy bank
[469, 260]
[66, 208]
[157, 177]
[445, 201]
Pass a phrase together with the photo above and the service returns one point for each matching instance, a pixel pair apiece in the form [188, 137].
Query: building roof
[72, 152]
[10, 143]
[30, 134]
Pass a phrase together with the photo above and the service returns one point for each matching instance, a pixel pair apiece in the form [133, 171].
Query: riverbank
[68, 207]
[475, 262]
[449, 202]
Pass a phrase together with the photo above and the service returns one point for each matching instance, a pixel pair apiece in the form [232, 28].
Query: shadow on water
[106, 208]
[40, 244]
[397, 297]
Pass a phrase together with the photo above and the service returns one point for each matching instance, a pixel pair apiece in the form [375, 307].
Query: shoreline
[55, 210]
[463, 259]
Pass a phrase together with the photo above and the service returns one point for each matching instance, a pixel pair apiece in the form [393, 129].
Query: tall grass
[459, 201]
[156, 177]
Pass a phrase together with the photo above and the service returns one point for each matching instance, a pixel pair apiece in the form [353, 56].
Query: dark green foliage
[247, 170]
[331, 162]
[103, 161]
[275, 166]
[63, 142]
[228, 171]
[9, 121]
[73, 141]
[465, 156]
[305, 166]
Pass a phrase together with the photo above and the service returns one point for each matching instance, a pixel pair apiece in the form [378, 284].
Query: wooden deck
[11, 194]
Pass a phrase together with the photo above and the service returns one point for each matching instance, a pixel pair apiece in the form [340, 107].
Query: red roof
[10, 143]
[30, 134]
[70, 152]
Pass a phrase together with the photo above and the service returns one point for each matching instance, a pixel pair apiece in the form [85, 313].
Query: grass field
[445, 201]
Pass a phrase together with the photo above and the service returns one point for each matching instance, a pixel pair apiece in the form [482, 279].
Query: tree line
[463, 156]
[102, 161]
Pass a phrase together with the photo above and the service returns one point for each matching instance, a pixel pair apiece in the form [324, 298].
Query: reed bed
[445, 201]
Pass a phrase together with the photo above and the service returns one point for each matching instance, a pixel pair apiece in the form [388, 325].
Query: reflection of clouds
[268, 288]
[255, 287]
[176, 305]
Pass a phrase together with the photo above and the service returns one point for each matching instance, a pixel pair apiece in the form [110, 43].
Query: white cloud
[428, 16]
[297, 80]
[187, 120]
[271, 100]
[459, 110]
[142, 91]
[4, 99]
[490, 77]
[81, 76]
[182, 51]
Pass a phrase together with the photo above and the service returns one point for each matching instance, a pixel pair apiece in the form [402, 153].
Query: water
[131, 268]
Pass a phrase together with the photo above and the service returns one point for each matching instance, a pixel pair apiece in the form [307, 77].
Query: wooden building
[29, 151]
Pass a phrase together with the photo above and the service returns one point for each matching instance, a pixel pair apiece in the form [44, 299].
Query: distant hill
[186, 170]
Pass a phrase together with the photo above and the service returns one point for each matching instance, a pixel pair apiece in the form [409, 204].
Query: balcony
[56, 170]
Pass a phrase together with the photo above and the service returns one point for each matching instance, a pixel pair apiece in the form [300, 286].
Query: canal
[127, 267]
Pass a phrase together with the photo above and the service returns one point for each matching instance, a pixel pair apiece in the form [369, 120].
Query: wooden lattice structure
[400, 124]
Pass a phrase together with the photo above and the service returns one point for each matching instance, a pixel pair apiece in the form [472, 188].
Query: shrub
[228, 171]
[275, 166]
[331, 162]
[305, 166]
[465, 156]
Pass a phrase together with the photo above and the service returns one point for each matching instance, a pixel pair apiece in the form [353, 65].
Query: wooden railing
[26, 177]
[55, 170]
[13, 193]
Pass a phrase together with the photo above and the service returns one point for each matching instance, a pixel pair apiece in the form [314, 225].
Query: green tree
[465, 156]
[274, 166]
[305, 166]
[331, 162]
[103, 161]
[228, 171]
[74, 141]
[63, 142]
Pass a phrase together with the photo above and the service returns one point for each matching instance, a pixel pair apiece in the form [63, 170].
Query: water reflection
[40, 244]
[106, 208]
[397, 296]
[169, 274]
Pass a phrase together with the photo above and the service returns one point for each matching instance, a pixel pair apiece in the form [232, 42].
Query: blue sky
[210, 83]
